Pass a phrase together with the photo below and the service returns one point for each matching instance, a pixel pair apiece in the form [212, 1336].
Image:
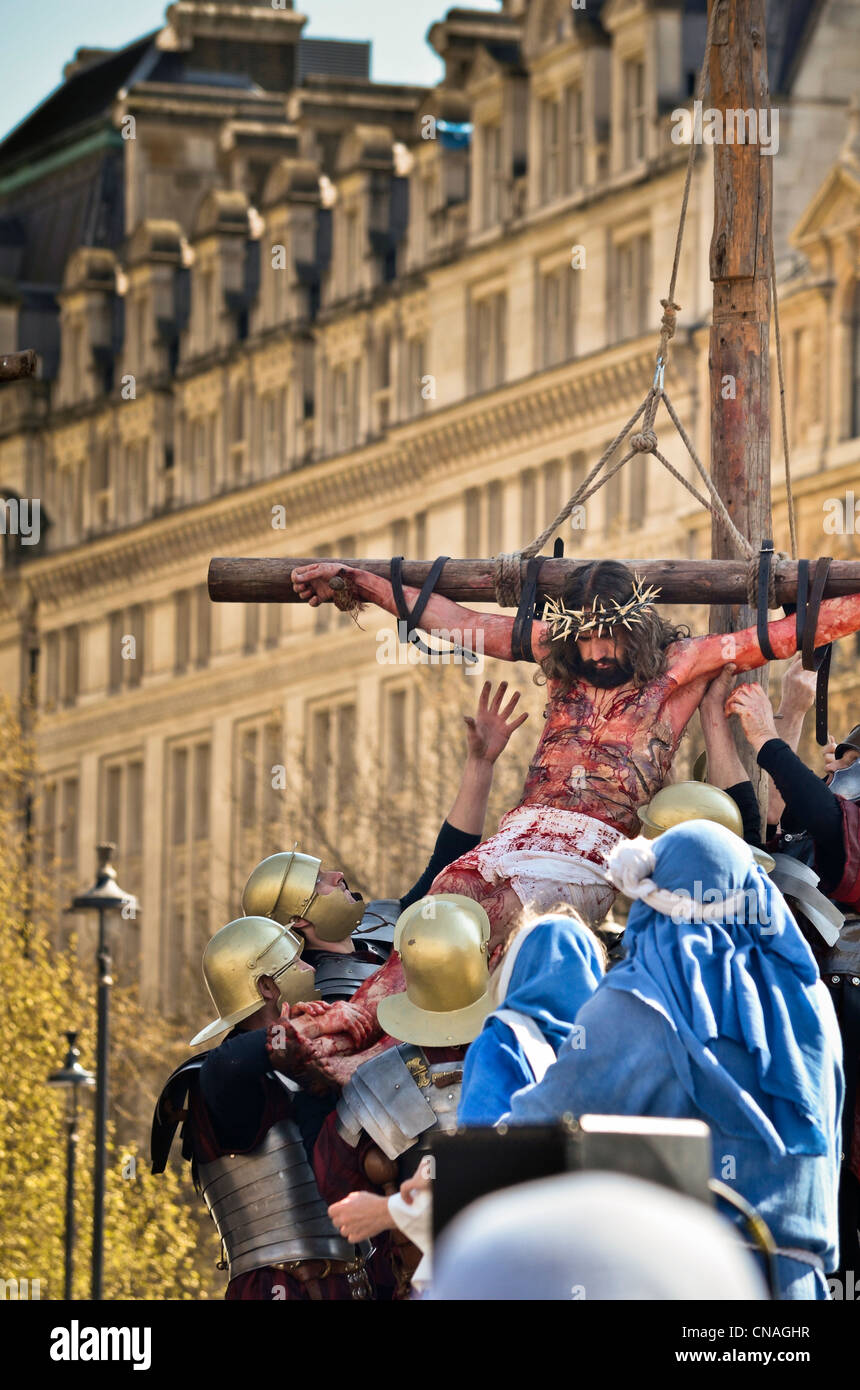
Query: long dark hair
[646, 640]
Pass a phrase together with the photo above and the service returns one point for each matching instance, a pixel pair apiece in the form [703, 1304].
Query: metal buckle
[419, 1071]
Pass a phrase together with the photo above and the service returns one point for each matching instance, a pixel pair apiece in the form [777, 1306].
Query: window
[202, 454]
[133, 836]
[490, 341]
[855, 363]
[178, 795]
[553, 498]
[397, 739]
[638, 507]
[273, 407]
[69, 825]
[528, 502]
[273, 624]
[200, 799]
[320, 759]
[193, 628]
[48, 822]
[122, 806]
[203, 625]
[382, 382]
[633, 107]
[612, 494]
[551, 149]
[252, 628]
[343, 408]
[495, 518]
[182, 631]
[352, 266]
[248, 777]
[238, 443]
[206, 284]
[100, 484]
[71, 665]
[631, 287]
[575, 131]
[141, 334]
[473, 521]
[136, 481]
[51, 670]
[557, 307]
[413, 398]
[491, 195]
[333, 755]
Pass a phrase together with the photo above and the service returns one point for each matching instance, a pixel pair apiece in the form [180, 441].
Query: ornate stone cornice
[443, 444]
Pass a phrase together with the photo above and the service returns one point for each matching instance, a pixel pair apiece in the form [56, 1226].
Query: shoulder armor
[385, 1098]
[171, 1111]
[339, 976]
[378, 923]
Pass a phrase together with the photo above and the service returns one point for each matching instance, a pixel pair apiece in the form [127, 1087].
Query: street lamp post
[103, 897]
[72, 1076]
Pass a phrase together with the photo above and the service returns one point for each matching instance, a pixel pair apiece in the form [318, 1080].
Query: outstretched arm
[312, 583]
[705, 656]
[488, 732]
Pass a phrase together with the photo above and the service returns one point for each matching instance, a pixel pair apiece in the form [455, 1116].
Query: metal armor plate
[394, 1099]
[267, 1207]
[378, 923]
[339, 976]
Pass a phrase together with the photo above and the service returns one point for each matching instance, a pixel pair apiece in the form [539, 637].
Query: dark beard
[606, 679]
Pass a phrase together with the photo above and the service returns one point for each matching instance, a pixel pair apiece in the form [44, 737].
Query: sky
[37, 39]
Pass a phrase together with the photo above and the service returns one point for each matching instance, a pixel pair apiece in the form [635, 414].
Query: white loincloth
[551, 856]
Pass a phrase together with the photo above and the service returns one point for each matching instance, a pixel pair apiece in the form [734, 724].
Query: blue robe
[558, 966]
[722, 1023]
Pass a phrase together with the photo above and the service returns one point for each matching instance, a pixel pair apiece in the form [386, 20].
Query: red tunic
[339, 1170]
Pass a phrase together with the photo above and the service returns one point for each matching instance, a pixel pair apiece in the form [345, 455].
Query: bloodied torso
[606, 752]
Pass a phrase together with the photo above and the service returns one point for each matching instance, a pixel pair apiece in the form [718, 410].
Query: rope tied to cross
[510, 567]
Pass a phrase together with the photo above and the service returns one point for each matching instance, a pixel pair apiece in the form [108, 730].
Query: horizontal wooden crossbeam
[472, 581]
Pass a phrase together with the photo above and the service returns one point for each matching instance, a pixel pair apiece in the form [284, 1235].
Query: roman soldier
[348, 940]
[378, 1133]
[248, 1131]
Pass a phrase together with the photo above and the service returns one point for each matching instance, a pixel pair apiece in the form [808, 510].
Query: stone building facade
[285, 310]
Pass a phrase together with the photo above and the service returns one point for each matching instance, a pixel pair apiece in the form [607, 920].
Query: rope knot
[508, 577]
[671, 311]
[644, 442]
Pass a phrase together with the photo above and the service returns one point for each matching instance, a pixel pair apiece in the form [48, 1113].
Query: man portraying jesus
[622, 685]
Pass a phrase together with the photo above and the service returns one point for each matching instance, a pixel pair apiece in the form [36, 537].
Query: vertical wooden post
[740, 271]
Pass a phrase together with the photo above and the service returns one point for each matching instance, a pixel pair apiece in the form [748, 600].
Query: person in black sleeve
[818, 825]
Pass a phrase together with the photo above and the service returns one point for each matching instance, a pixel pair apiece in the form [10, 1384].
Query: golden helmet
[284, 887]
[683, 801]
[235, 959]
[442, 944]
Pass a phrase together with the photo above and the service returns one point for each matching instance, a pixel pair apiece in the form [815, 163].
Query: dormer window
[855, 363]
[551, 137]
[492, 174]
[351, 240]
[633, 110]
[574, 122]
[206, 282]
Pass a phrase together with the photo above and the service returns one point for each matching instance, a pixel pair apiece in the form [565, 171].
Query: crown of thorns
[563, 622]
